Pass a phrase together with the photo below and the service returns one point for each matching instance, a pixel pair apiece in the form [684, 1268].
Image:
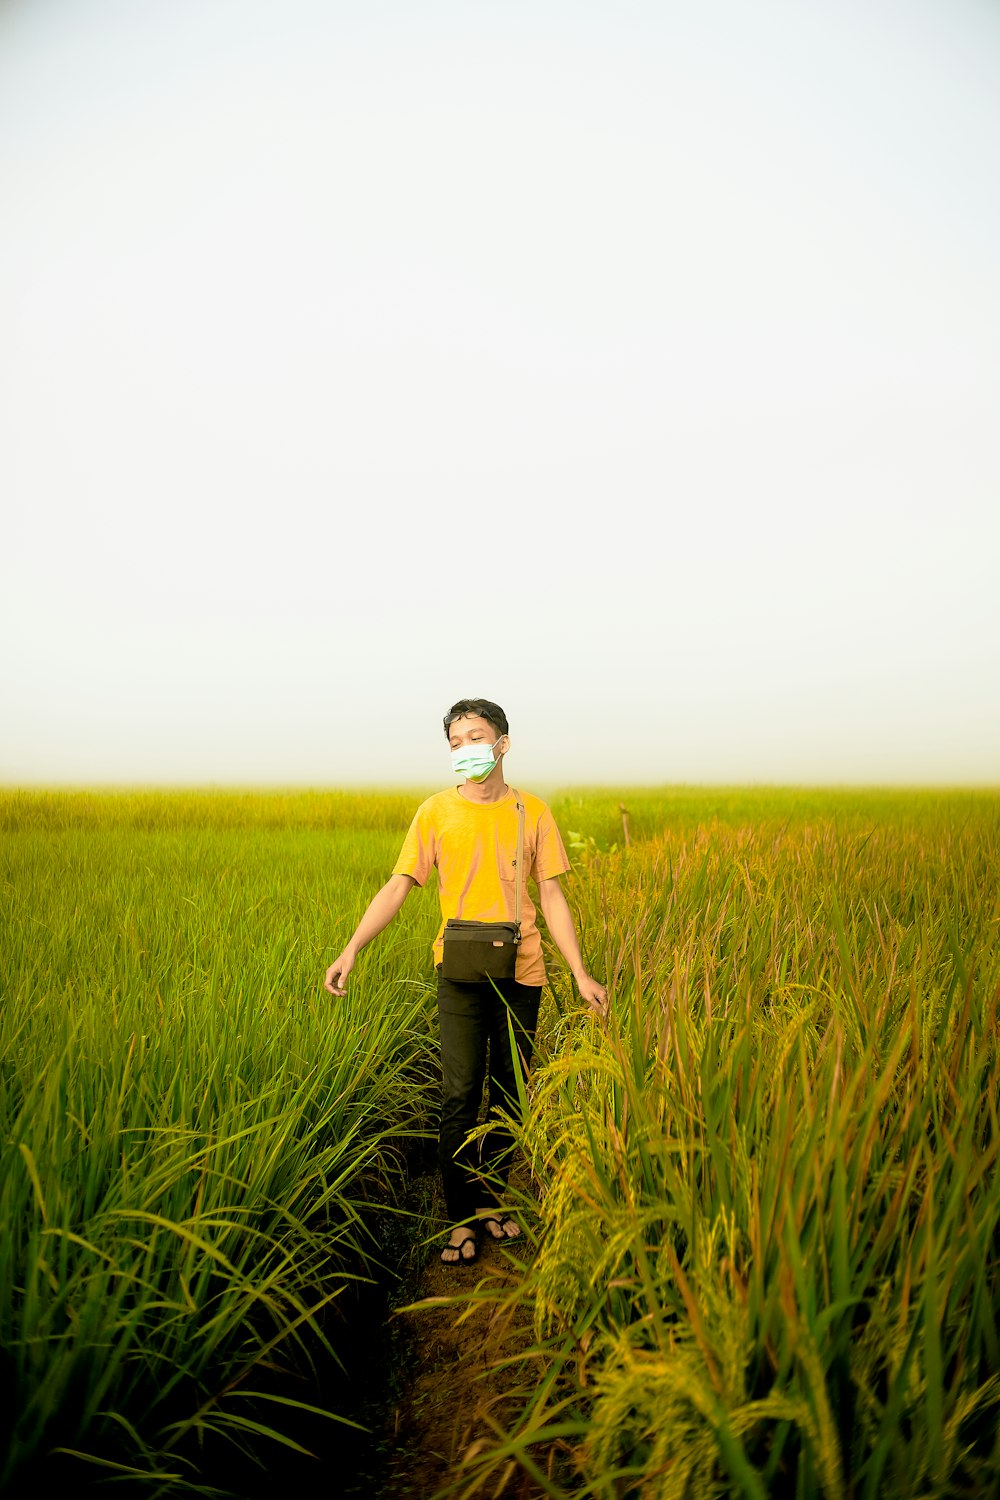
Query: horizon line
[382, 787]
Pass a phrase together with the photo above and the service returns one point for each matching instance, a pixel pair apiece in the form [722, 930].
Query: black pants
[473, 1017]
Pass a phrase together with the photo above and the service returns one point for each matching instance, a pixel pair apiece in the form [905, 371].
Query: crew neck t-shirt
[474, 846]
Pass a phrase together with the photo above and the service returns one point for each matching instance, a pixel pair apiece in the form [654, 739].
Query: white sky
[635, 365]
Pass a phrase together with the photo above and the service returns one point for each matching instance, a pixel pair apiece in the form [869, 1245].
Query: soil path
[448, 1388]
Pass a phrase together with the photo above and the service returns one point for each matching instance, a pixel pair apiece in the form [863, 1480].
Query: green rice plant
[194, 1136]
[766, 1230]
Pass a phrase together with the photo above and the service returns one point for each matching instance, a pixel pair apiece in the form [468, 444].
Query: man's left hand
[594, 993]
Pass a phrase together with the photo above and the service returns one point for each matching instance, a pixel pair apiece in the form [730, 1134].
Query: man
[469, 833]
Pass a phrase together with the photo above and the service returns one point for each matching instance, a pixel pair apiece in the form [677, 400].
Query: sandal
[460, 1259]
[501, 1221]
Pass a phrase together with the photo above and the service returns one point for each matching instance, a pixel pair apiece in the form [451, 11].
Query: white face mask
[475, 762]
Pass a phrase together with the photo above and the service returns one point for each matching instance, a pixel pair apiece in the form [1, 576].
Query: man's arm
[379, 913]
[559, 920]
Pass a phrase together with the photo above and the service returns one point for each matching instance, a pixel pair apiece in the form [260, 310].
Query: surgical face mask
[475, 762]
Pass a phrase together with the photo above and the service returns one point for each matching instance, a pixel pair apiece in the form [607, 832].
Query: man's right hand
[336, 974]
[379, 913]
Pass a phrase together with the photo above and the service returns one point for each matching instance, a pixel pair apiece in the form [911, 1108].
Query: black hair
[477, 708]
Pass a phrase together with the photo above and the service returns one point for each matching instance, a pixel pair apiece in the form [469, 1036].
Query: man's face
[474, 731]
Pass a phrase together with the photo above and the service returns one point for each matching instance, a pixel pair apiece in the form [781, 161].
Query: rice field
[762, 1199]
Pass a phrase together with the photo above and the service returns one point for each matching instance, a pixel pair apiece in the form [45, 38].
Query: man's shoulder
[534, 807]
[437, 803]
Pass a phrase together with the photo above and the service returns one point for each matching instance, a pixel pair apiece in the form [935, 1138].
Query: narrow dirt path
[446, 1351]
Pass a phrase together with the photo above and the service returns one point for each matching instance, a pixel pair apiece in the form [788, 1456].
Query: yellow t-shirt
[474, 846]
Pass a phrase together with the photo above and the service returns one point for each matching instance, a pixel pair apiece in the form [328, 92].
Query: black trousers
[473, 1020]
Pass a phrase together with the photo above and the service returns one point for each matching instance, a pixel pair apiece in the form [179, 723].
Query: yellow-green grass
[193, 1131]
[765, 1209]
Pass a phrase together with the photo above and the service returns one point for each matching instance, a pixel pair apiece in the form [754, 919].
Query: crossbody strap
[520, 856]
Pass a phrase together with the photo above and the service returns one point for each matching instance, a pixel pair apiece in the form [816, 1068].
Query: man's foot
[501, 1226]
[462, 1248]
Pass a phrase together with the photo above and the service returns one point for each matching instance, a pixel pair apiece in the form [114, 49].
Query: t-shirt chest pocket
[508, 856]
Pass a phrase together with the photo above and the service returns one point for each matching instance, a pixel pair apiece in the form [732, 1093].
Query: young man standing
[470, 834]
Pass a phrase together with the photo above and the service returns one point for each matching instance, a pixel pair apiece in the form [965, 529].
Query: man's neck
[490, 790]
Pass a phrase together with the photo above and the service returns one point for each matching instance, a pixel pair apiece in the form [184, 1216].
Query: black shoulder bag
[474, 951]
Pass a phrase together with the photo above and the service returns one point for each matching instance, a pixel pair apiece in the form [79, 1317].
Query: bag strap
[520, 856]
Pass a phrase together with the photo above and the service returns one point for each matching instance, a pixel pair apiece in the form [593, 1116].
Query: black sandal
[500, 1221]
[460, 1259]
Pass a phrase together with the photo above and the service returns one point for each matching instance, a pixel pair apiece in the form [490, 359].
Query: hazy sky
[635, 365]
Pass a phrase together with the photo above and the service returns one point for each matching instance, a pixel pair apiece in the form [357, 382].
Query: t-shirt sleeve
[419, 852]
[550, 855]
